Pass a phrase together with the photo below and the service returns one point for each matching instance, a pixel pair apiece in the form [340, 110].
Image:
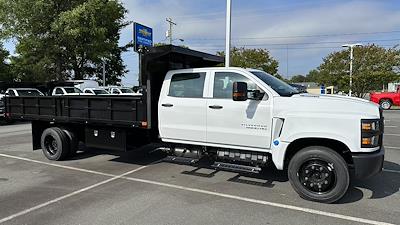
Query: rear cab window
[187, 85]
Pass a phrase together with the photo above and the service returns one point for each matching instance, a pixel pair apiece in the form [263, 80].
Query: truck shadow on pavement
[382, 185]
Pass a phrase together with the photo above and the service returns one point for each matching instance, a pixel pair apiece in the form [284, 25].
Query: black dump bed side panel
[123, 111]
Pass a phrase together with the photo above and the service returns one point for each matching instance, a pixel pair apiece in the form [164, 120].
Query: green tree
[373, 66]
[5, 72]
[298, 79]
[59, 39]
[313, 76]
[253, 58]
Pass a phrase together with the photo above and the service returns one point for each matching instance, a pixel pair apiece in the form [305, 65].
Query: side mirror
[257, 95]
[239, 91]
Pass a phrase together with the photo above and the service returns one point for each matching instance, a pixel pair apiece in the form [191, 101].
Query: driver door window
[223, 84]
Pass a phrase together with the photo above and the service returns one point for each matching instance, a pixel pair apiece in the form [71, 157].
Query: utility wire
[283, 48]
[295, 36]
[309, 43]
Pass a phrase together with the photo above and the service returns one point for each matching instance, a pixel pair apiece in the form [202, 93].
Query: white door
[239, 123]
[182, 108]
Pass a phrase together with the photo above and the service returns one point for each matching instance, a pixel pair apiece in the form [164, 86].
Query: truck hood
[326, 104]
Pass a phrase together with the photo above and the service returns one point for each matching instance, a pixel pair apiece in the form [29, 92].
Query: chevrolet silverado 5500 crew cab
[241, 119]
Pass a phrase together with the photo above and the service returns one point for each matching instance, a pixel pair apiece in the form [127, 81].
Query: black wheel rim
[50, 144]
[317, 176]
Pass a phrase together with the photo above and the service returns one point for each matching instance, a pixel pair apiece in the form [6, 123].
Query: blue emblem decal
[276, 142]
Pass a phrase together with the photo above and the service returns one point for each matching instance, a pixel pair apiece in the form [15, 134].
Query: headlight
[370, 125]
[371, 133]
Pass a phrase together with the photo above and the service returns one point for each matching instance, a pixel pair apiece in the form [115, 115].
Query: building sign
[142, 37]
[323, 91]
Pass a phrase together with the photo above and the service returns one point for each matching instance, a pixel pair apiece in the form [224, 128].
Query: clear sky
[298, 33]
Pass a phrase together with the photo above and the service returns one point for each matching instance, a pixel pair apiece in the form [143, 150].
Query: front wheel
[319, 174]
[385, 104]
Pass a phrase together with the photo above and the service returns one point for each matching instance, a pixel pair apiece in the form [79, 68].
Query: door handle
[167, 105]
[215, 107]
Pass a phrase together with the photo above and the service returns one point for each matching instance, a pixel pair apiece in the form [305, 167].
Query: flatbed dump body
[120, 111]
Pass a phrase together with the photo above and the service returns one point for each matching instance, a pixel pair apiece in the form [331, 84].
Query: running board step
[236, 167]
[181, 160]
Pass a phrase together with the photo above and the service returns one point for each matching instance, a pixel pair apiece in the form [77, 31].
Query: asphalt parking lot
[99, 187]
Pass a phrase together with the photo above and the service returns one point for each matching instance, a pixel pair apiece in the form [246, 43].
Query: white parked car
[58, 91]
[123, 91]
[96, 91]
[23, 92]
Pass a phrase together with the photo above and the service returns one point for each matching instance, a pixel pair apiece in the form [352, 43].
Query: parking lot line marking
[397, 135]
[390, 126]
[261, 202]
[391, 171]
[67, 196]
[256, 201]
[57, 165]
[392, 147]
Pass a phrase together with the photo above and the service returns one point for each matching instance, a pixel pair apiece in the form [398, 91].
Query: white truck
[241, 119]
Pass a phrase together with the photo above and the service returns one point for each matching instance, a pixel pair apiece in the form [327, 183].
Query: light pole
[228, 33]
[351, 47]
[104, 73]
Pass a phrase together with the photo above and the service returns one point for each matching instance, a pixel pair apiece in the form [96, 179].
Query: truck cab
[250, 116]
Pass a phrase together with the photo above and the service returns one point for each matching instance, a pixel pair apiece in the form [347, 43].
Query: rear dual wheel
[58, 144]
[319, 174]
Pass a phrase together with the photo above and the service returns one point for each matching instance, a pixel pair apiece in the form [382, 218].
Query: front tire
[319, 174]
[385, 104]
[55, 144]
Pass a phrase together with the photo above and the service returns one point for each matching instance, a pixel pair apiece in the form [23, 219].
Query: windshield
[70, 90]
[126, 90]
[100, 92]
[282, 88]
[29, 93]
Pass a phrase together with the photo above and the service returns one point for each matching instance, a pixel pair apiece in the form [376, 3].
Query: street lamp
[351, 46]
[228, 33]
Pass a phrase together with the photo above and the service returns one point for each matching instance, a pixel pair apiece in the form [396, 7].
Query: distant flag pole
[228, 33]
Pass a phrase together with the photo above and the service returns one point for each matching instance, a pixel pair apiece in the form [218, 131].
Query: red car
[386, 99]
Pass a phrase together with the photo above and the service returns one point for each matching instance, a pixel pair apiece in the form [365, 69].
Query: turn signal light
[367, 126]
[367, 141]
